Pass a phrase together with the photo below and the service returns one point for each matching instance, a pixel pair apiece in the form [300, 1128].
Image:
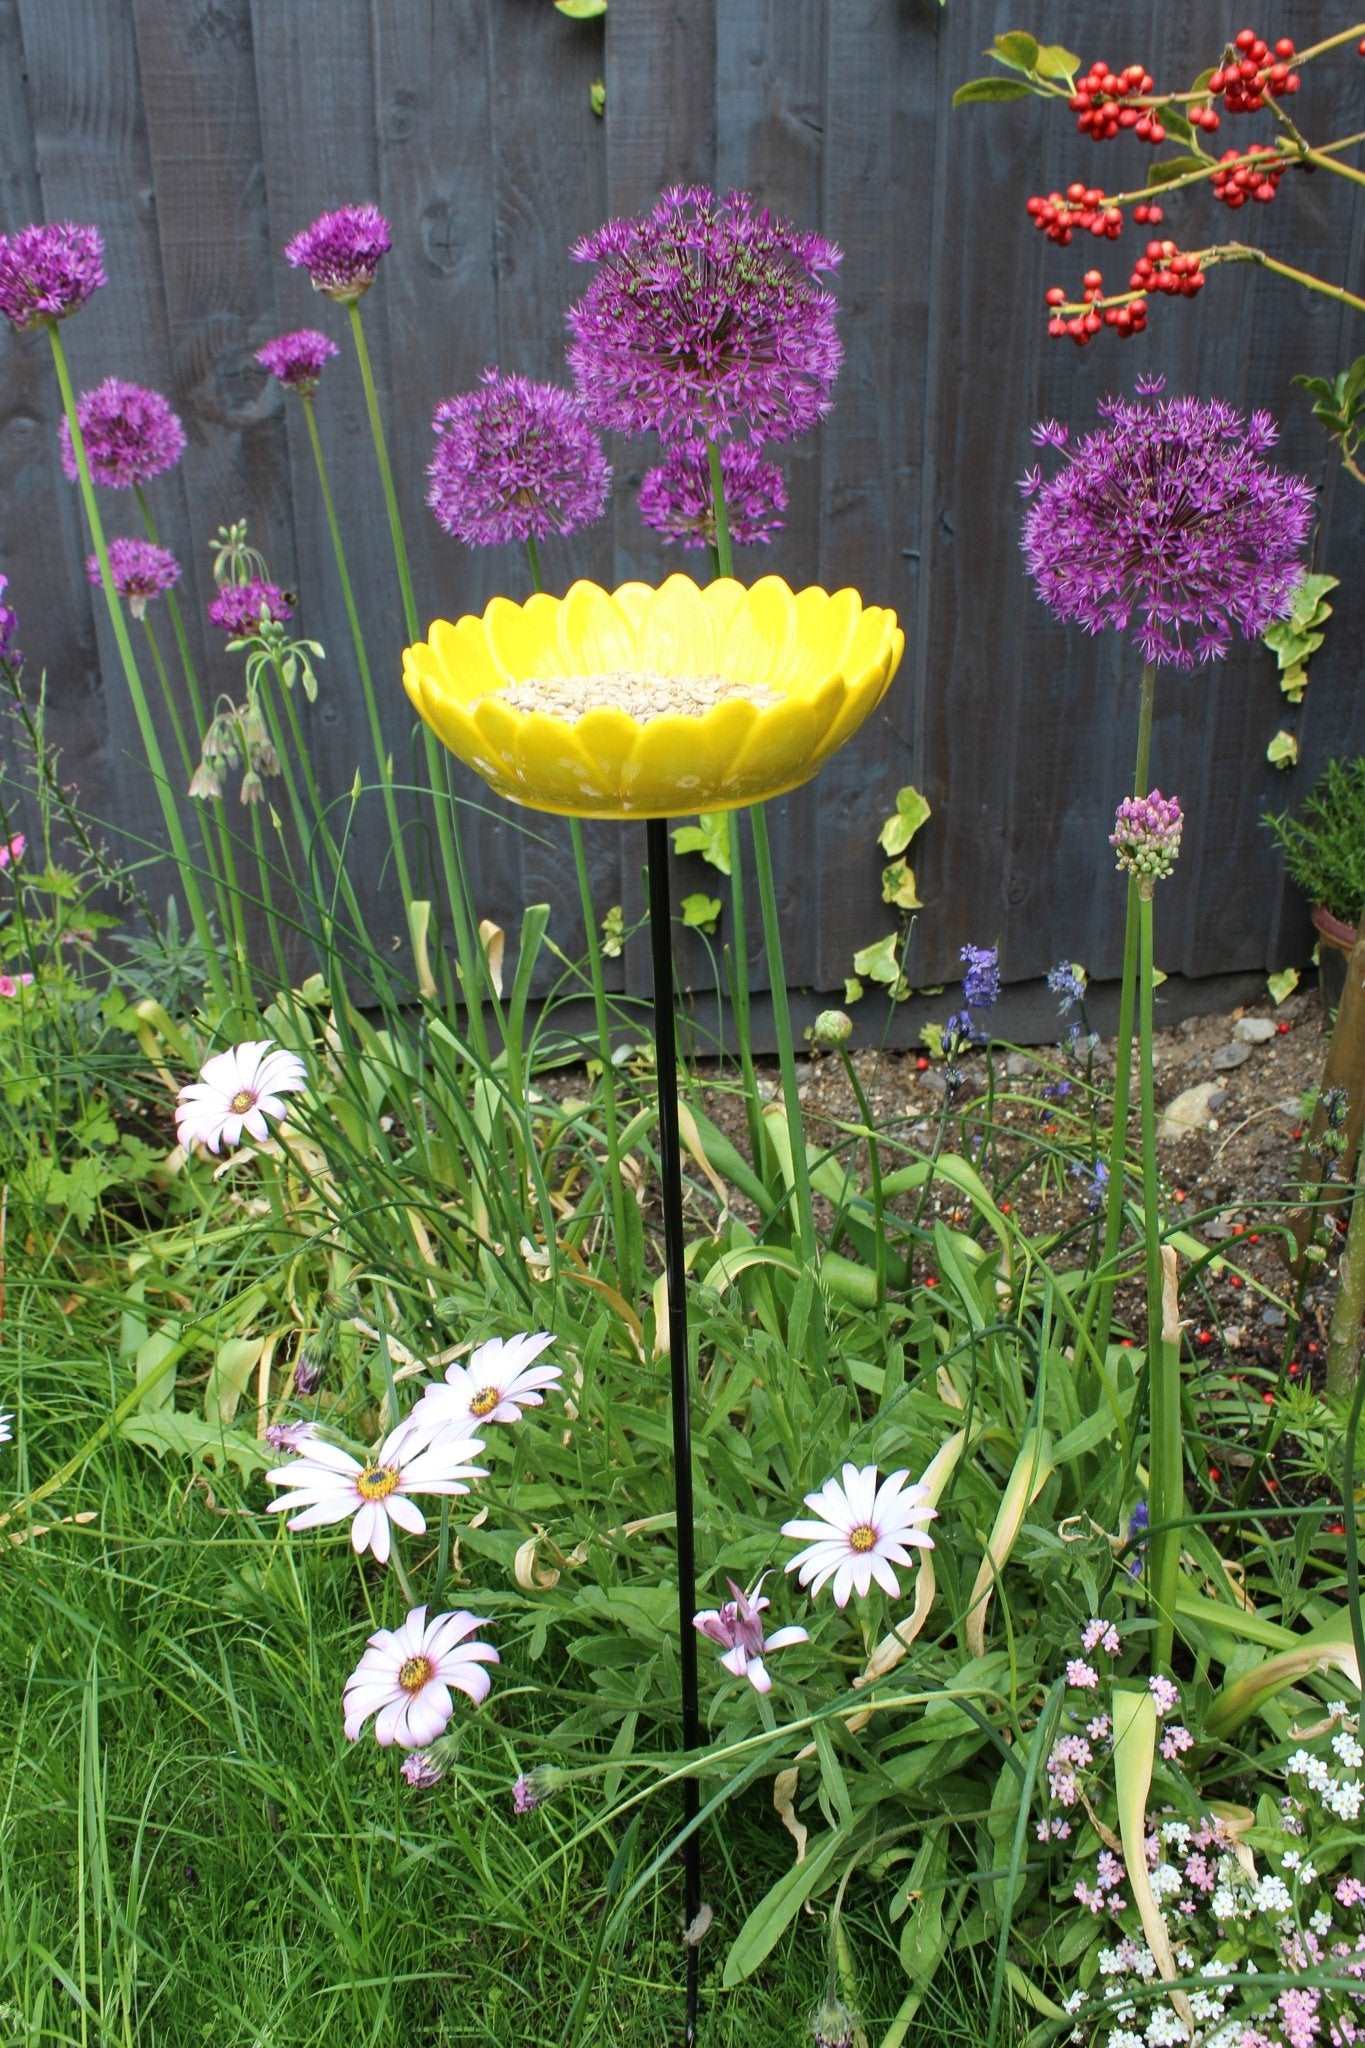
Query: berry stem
[1146, 193]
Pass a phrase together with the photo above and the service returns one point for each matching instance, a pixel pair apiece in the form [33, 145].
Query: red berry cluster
[1205, 117]
[1165, 269]
[1251, 72]
[1097, 104]
[1081, 206]
[1083, 327]
[1257, 178]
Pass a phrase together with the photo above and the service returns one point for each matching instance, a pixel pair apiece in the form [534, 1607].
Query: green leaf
[1054, 60]
[701, 912]
[613, 931]
[710, 837]
[900, 828]
[776, 1910]
[898, 886]
[582, 10]
[1282, 984]
[189, 1436]
[853, 988]
[1017, 48]
[1283, 751]
[1175, 124]
[1169, 167]
[978, 91]
[881, 963]
[597, 97]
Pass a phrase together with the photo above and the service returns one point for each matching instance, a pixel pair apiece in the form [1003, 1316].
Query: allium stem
[782, 1026]
[383, 765]
[874, 1170]
[472, 965]
[1098, 1321]
[175, 830]
[1166, 1458]
[725, 561]
[739, 986]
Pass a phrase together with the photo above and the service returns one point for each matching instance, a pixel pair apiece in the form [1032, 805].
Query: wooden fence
[199, 133]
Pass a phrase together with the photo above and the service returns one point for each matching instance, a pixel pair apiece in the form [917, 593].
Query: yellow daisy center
[862, 1538]
[414, 1673]
[485, 1401]
[241, 1102]
[376, 1482]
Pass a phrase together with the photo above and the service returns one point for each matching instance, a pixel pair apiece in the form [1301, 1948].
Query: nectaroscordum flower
[326, 1484]
[236, 1091]
[238, 606]
[737, 1625]
[1168, 522]
[861, 1529]
[341, 251]
[130, 434]
[500, 1380]
[405, 1676]
[676, 498]
[706, 316]
[515, 461]
[297, 359]
[141, 571]
[49, 270]
[645, 703]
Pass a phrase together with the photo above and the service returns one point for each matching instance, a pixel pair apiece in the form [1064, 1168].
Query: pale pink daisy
[329, 1485]
[738, 1628]
[421, 1769]
[861, 1531]
[236, 1091]
[405, 1676]
[290, 1436]
[500, 1380]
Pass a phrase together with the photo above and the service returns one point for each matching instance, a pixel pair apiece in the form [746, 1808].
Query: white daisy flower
[6, 1428]
[405, 1676]
[861, 1532]
[500, 1380]
[236, 1091]
[327, 1484]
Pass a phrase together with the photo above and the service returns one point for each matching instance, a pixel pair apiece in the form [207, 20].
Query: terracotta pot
[1336, 941]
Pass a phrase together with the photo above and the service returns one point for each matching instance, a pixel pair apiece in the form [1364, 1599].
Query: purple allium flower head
[140, 569]
[515, 461]
[675, 496]
[297, 358]
[421, 1769]
[1146, 835]
[981, 982]
[237, 607]
[1067, 983]
[341, 251]
[1165, 520]
[706, 317]
[9, 626]
[48, 271]
[130, 434]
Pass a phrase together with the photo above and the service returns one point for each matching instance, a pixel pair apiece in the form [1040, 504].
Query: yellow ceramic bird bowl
[645, 703]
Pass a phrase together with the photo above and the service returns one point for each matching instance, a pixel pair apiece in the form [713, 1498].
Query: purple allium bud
[421, 1769]
[341, 251]
[48, 271]
[675, 496]
[515, 461]
[1096, 1178]
[238, 606]
[1165, 520]
[130, 434]
[1146, 835]
[1067, 983]
[141, 570]
[9, 626]
[297, 358]
[706, 317]
[981, 982]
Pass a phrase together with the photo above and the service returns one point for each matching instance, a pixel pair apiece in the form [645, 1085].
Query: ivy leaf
[978, 91]
[1282, 984]
[900, 828]
[710, 837]
[1017, 48]
[853, 988]
[701, 912]
[881, 963]
[1283, 751]
[931, 1038]
[898, 886]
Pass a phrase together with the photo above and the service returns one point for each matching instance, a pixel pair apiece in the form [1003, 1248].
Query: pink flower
[1164, 1693]
[1175, 1741]
[12, 849]
[10, 984]
[1350, 1892]
[1082, 1675]
[1100, 1729]
[421, 1769]
[405, 1676]
[1101, 1635]
[738, 1628]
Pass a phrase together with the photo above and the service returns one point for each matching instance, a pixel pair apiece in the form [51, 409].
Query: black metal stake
[670, 1159]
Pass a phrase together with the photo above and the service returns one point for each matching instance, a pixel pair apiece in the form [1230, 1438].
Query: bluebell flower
[1138, 1523]
[1096, 1177]
[981, 982]
[1067, 983]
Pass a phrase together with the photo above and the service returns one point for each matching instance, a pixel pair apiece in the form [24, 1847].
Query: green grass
[190, 1852]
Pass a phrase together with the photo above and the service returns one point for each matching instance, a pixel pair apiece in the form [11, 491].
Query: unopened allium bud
[1146, 835]
[833, 2026]
[831, 1028]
